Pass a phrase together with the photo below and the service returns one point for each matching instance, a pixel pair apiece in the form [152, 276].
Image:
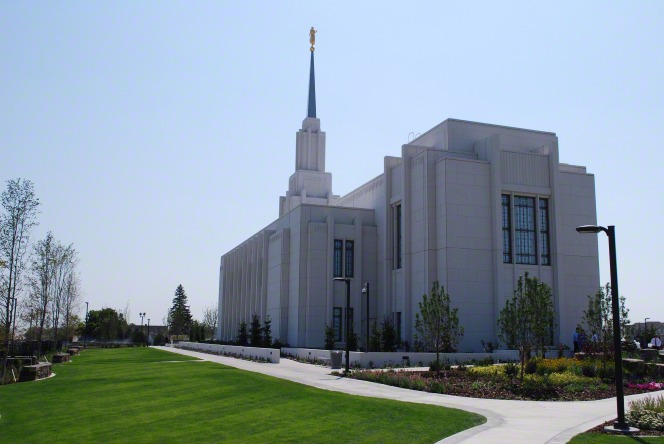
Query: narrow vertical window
[397, 235]
[507, 230]
[545, 255]
[350, 255]
[524, 230]
[338, 257]
[336, 323]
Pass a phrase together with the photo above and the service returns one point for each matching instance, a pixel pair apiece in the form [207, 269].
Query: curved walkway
[507, 421]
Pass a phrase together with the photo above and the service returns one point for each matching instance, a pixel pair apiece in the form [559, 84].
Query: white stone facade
[448, 187]
[471, 205]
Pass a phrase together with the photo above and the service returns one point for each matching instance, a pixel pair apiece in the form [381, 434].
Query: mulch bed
[463, 383]
[600, 429]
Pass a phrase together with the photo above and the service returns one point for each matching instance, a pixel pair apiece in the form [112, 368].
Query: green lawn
[598, 438]
[135, 394]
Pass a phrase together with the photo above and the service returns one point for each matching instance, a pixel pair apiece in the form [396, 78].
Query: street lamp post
[148, 331]
[85, 336]
[620, 425]
[365, 290]
[645, 329]
[347, 280]
[142, 315]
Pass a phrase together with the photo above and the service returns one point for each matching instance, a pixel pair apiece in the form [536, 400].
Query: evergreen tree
[329, 337]
[388, 335]
[352, 339]
[255, 331]
[267, 332]
[179, 316]
[374, 340]
[242, 335]
[197, 331]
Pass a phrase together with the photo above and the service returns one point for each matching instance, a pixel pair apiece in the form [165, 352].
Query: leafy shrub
[511, 370]
[494, 370]
[564, 379]
[538, 387]
[647, 413]
[531, 366]
[484, 362]
[438, 366]
[588, 370]
[608, 373]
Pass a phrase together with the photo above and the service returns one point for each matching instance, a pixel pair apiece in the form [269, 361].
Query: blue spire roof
[311, 112]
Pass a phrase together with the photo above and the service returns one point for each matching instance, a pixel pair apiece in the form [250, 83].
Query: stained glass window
[545, 253]
[507, 230]
[524, 230]
[350, 254]
[338, 257]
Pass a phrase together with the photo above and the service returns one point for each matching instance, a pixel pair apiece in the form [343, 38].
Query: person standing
[575, 339]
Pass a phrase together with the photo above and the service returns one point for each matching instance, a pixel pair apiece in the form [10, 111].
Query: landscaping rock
[34, 372]
[649, 354]
[60, 358]
[635, 366]
[73, 350]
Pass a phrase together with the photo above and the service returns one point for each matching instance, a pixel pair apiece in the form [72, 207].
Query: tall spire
[311, 111]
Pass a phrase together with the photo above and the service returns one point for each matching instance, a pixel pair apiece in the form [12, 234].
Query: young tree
[64, 261]
[267, 331]
[255, 331]
[242, 335]
[525, 321]
[598, 319]
[437, 324]
[18, 217]
[72, 299]
[179, 316]
[210, 319]
[41, 281]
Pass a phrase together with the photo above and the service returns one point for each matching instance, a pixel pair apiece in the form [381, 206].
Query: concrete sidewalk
[507, 421]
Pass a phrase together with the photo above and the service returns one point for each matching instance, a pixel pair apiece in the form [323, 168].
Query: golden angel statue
[312, 37]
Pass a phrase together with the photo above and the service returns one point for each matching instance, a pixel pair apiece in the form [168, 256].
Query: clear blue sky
[159, 135]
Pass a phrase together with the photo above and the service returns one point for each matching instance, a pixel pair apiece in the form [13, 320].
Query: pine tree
[352, 339]
[242, 335]
[267, 332]
[255, 332]
[330, 334]
[179, 316]
[374, 341]
[388, 335]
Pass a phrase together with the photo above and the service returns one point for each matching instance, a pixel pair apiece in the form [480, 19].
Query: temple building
[471, 205]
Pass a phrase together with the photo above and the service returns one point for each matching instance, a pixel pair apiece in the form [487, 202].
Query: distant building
[471, 205]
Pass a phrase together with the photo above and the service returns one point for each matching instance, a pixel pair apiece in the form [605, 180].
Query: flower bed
[549, 379]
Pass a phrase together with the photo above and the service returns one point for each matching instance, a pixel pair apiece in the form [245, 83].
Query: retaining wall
[379, 359]
[271, 354]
